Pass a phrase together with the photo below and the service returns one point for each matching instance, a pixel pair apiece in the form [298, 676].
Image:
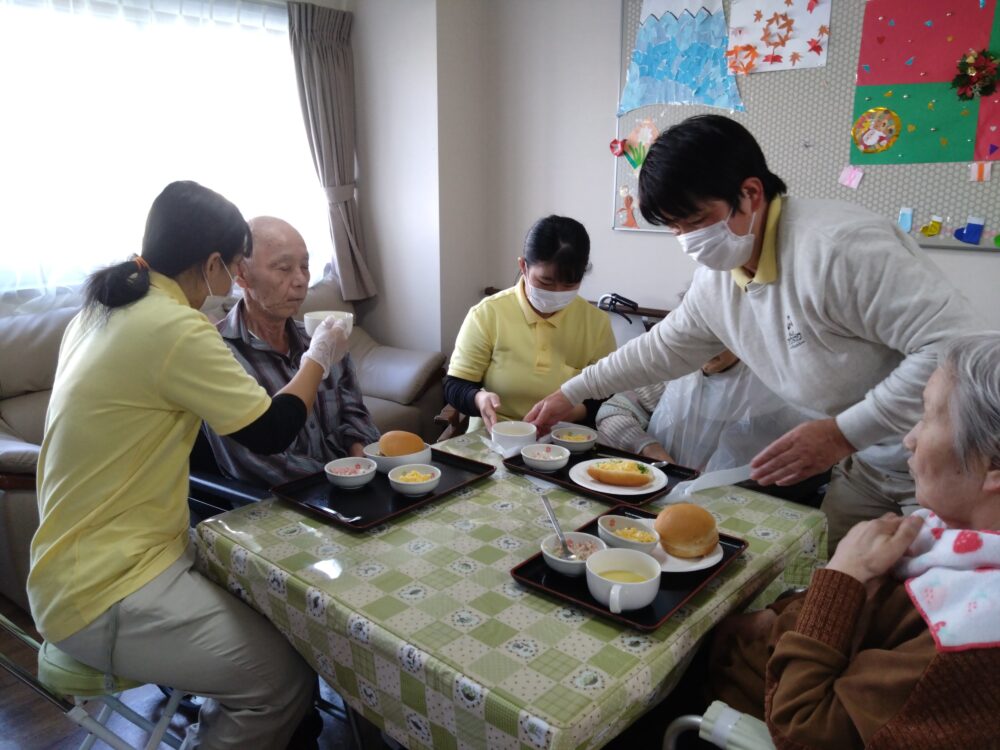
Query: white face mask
[211, 294]
[548, 302]
[716, 247]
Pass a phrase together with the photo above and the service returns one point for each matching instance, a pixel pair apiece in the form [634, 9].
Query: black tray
[675, 475]
[377, 502]
[675, 588]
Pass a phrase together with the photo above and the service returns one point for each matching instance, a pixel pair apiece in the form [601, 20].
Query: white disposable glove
[329, 344]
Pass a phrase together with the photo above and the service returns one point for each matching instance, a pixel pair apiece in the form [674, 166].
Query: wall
[466, 153]
[395, 55]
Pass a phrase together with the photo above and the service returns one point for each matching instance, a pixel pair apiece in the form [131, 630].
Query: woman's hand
[656, 452]
[871, 548]
[329, 344]
[487, 402]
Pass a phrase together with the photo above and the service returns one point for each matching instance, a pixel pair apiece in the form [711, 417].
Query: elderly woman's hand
[871, 548]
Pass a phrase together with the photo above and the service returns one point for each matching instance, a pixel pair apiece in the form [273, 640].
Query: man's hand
[871, 548]
[487, 402]
[803, 452]
[656, 452]
[357, 450]
[552, 409]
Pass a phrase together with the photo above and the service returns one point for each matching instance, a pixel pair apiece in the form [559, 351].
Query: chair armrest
[452, 422]
[17, 456]
[223, 493]
[399, 375]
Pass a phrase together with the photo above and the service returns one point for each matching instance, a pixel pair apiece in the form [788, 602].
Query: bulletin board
[802, 120]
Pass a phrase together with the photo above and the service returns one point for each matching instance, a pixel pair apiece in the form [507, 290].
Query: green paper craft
[938, 134]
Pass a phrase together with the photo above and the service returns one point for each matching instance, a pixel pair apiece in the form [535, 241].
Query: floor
[30, 722]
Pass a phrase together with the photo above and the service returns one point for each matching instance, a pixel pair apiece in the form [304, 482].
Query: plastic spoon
[558, 528]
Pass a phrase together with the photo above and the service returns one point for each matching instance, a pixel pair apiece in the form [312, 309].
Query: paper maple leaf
[794, 58]
[789, 3]
[824, 30]
[815, 46]
[757, 15]
[812, 5]
[772, 58]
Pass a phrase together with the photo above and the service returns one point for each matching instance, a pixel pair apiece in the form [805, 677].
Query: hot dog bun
[621, 472]
[400, 443]
[686, 530]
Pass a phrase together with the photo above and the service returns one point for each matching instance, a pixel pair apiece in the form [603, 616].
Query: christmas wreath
[977, 74]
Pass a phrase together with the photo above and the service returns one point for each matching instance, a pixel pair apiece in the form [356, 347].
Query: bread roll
[686, 530]
[621, 471]
[400, 443]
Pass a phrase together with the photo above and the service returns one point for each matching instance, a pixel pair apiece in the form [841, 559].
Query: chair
[71, 686]
[722, 726]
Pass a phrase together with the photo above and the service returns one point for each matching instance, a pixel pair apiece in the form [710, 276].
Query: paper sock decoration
[932, 228]
[972, 232]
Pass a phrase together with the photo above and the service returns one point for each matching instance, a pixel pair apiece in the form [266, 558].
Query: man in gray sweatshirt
[832, 307]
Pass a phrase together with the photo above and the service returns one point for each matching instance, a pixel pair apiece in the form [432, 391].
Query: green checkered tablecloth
[419, 626]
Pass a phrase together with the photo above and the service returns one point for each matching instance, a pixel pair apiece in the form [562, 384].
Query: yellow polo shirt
[767, 265]
[130, 393]
[523, 357]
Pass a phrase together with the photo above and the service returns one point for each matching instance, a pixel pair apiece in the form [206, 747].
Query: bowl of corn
[414, 479]
[627, 533]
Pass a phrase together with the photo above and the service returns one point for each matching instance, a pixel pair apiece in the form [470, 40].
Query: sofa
[401, 388]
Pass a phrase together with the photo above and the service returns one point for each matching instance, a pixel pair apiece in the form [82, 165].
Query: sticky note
[851, 176]
[905, 219]
[980, 171]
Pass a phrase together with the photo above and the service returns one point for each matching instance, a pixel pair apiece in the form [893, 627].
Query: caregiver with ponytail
[112, 581]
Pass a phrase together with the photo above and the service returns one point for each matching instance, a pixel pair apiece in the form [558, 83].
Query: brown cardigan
[840, 669]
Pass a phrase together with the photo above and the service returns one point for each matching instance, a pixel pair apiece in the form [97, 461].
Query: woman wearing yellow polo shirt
[112, 581]
[524, 342]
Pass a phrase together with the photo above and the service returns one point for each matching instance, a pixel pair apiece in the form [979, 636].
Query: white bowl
[575, 446]
[551, 548]
[414, 488]
[510, 435]
[614, 594]
[544, 457]
[606, 526]
[386, 463]
[311, 320]
[365, 472]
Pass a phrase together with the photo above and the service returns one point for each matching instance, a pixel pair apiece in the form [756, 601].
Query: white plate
[579, 475]
[671, 564]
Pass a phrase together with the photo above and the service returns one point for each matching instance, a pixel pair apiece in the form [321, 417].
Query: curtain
[324, 66]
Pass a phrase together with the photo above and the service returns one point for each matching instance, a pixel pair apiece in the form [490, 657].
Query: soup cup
[634, 578]
[311, 320]
[513, 435]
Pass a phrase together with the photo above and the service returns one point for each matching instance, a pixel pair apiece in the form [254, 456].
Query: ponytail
[118, 285]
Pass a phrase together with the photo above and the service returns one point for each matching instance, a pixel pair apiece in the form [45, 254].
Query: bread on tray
[621, 472]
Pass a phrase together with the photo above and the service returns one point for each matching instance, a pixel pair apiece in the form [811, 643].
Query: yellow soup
[623, 576]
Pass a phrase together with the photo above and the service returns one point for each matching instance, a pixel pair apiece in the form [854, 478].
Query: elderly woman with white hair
[896, 644]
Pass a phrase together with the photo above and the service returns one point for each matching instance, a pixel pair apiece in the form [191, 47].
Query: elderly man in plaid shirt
[266, 340]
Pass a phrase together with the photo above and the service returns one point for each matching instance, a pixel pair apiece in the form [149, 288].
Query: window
[104, 103]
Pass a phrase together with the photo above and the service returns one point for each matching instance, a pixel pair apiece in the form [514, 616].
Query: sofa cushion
[324, 295]
[30, 346]
[16, 455]
[24, 416]
[389, 415]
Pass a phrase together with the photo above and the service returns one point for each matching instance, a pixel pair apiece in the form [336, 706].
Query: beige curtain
[324, 66]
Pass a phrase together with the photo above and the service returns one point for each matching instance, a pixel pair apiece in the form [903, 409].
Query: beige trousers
[859, 492]
[183, 631]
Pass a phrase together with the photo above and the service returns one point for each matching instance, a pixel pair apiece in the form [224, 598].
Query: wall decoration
[803, 121]
[910, 53]
[679, 57]
[767, 35]
[876, 130]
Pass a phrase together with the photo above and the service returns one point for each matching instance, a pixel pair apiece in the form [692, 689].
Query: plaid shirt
[337, 420]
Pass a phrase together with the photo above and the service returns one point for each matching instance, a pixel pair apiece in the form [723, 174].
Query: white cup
[619, 596]
[311, 320]
[511, 435]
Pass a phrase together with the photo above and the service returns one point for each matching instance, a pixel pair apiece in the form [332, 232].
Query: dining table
[419, 626]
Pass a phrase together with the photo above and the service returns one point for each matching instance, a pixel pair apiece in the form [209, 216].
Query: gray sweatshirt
[850, 328]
